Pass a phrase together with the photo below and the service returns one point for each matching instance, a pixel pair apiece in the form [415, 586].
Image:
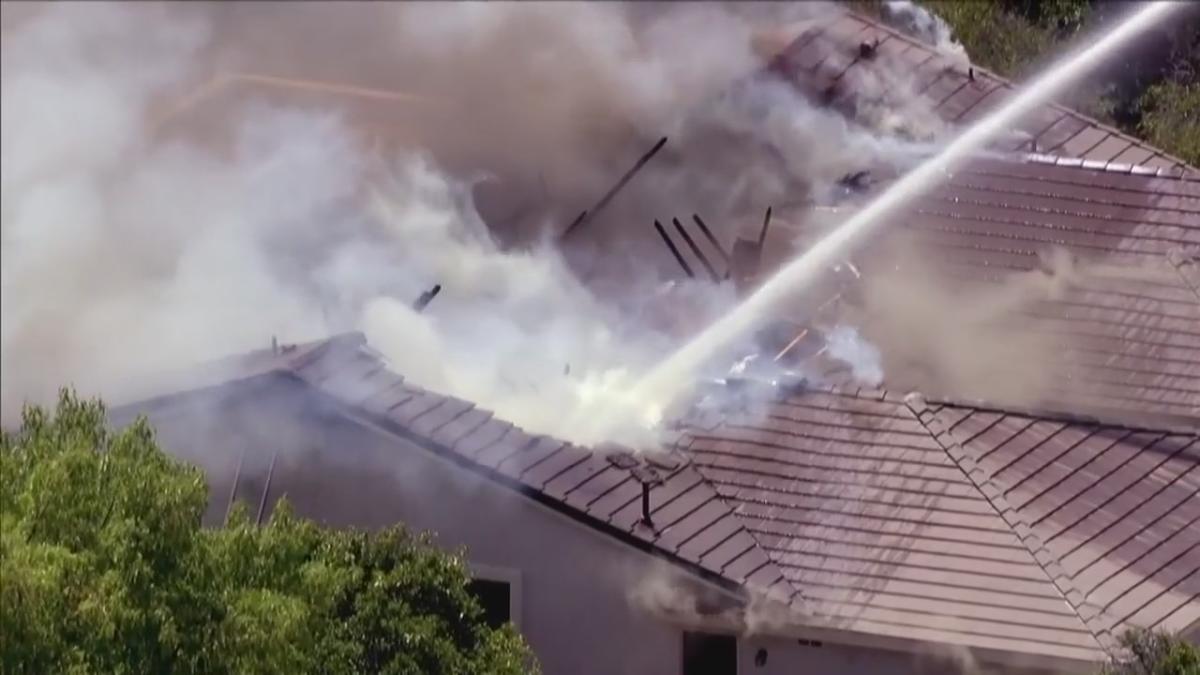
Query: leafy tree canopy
[1151, 91]
[1155, 653]
[105, 568]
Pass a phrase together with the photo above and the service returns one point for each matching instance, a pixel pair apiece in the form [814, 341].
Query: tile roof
[1116, 509]
[878, 530]
[825, 59]
[1132, 343]
[867, 512]
[1128, 340]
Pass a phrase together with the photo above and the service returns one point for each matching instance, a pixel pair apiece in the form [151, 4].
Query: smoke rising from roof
[136, 238]
[924, 25]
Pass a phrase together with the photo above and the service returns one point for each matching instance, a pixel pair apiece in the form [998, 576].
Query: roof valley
[1181, 258]
[796, 593]
[1092, 617]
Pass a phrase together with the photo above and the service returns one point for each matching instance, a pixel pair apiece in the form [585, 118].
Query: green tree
[1155, 653]
[1170, 118]
[993, 36]
[105, 568]
[1151, 91]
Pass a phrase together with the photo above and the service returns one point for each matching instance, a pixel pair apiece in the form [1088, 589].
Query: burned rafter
[762, 236]
[859, 181]
[715, 244]
[426, 298]
[674, 251]
[608, 196]
[687, 238]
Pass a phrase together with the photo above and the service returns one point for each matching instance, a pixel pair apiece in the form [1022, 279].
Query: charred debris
[782, 358]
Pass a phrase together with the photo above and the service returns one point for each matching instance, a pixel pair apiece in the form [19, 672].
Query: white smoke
[924, 25]
[866, 363]
[125, 254]
[514, 331]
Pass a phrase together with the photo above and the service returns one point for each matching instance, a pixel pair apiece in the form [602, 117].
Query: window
[498, 590]
[709, 654]
[496, 598]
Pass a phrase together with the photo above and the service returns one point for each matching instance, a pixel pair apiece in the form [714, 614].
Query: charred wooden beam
[674, 251]
[715, 244]
[859, 181]
[608, 196]
[426, 298]
[695, 249]
[762, 236]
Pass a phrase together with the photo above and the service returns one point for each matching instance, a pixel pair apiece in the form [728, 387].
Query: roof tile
[626, 492]
[513, 442]
[459, 427]
[420, 404]
[1104, 500]
[482, 437]
[541, 472]
[562, 485]
[438, 416]
[528, 454]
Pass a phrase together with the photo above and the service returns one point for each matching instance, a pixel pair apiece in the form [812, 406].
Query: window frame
[507, 575]
[737, 647]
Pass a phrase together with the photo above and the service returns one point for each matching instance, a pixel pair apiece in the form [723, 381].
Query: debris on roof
[856, 182]
[590, 214]
[427, 297]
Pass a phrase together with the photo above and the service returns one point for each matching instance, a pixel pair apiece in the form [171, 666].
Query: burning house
[970, 446]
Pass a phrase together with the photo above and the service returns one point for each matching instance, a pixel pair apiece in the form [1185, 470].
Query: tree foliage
[1171, 118]
[105, 568]
[1149, 92]
[1155, 653]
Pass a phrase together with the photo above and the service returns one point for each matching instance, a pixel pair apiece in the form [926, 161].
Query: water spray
[663, 385]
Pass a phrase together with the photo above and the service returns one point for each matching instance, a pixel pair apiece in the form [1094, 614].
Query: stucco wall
[789, 657]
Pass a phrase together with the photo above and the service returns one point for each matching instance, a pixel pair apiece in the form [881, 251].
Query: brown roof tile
[581, 472]
[438, 416]
[894, 523]
[1130, 341]
[1114, 508]
[482, 437]
[420, 404]
[506, 449]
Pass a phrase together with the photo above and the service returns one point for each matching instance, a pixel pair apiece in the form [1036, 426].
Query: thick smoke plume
[141, 233]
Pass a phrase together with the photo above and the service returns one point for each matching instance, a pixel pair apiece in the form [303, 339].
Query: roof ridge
[797, 593]
[1089, 614]
[1005, 83]
[1120, 168]
[1107, 417]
